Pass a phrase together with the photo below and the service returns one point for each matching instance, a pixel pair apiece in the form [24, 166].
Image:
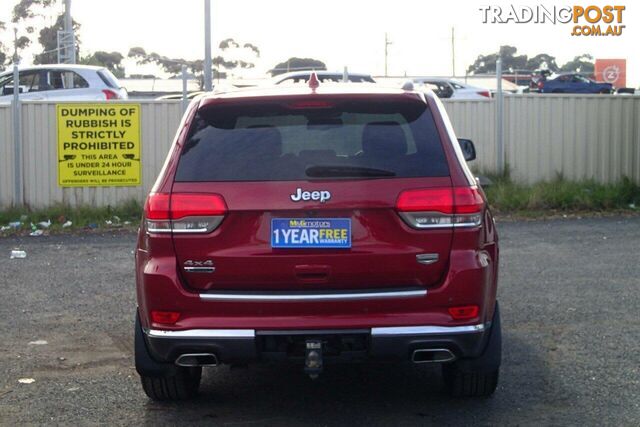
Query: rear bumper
[240, 346]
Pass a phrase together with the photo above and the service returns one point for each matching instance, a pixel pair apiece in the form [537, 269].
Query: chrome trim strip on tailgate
[202, 333]
[429, 330]
[317, 296]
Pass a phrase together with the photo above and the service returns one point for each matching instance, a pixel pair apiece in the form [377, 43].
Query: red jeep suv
[316, 224]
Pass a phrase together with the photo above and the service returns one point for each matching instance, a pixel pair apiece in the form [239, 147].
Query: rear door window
[30, 81]
[66, 79]
[275, 142]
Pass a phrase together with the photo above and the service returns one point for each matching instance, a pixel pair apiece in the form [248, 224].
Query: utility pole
[499, 119]
[71, 37]
[387, 42]
[17, 127]
[207, 46]
[16, 58]
[66, 43]
[453, 52]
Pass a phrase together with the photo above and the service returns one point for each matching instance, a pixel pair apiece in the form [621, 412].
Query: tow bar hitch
[313, 358]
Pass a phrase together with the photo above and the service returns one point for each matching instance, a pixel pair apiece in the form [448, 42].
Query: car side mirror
[468, 149]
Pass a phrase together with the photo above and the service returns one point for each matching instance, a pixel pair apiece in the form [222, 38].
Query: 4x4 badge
[322, 195]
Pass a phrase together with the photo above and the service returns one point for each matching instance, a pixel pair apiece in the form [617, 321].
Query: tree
[582, 64]
[240, 55]
[235, 55]
[172, 66]
[542, 61]
[110, 60]
[297, 64]
[24, 13]
[510, 61]
[48, 38]
[3, 50]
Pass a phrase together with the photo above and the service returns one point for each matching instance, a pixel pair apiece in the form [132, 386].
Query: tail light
[184, 212]
[165, 317]
[109, 94]
[465, 312]
[485, 93]
[441, 207]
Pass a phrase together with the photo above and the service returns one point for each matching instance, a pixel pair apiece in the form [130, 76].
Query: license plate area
[311, 233]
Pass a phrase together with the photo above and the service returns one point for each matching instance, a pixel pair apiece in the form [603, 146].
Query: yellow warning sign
[98, 145]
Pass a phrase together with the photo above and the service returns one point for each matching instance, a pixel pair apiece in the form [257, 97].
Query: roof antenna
[314, 83]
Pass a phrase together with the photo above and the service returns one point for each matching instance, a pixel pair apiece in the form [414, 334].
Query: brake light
[310, 104]
[441, 207]
[433, 199]
[464, 312]
[467, 200]
[165, 317]
[184, 212]
[194, 204]
[485, 93]
[110, 94]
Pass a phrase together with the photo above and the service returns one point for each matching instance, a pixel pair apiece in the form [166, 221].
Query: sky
[342, 33]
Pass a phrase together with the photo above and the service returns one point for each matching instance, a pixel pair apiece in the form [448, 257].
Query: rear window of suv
[312, 140]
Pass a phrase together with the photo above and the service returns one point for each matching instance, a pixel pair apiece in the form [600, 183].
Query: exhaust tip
[190, 360]
[434, 355]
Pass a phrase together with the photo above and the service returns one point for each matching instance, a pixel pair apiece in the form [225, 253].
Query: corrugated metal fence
[159, 122]
[578, 136]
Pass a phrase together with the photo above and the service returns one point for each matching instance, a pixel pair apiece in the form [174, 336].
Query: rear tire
[184, 385]
[161, 380]
[477, 377]
[470, 384]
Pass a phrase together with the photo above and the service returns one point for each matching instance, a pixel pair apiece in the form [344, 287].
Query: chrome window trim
[202, 333]
[428, 330]
[335, 296]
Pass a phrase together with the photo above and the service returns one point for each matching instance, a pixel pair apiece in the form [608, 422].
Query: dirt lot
[569, 293]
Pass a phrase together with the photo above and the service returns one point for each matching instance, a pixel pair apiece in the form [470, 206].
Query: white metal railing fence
[578, 136]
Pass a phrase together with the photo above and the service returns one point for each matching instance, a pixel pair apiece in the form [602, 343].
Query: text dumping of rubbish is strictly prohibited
[98, 145]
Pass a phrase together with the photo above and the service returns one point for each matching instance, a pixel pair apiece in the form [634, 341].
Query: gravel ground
[569, 293]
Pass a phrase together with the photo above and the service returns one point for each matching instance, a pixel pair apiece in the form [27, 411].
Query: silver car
[62, 82]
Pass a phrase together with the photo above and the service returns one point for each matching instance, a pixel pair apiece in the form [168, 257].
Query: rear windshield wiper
[337, 171]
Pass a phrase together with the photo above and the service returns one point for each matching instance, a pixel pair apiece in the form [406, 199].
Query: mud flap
[491, 357]
[145, 364]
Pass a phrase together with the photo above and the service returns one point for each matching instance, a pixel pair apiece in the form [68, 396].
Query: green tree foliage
[110, 60]
[511, 62]
[297, 64]
[24, 9]
[234, 56]
[542, 61]
[48, 39]
[3, 49]
[580, 64]
[23, 13]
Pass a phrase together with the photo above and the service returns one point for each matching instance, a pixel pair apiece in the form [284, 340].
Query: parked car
[323, 77]
[449, 88]
[573, 83]
[538, 78]
[62, 82]
[330, 225]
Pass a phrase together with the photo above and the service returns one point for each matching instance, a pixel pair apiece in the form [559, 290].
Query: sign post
[98, 145]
